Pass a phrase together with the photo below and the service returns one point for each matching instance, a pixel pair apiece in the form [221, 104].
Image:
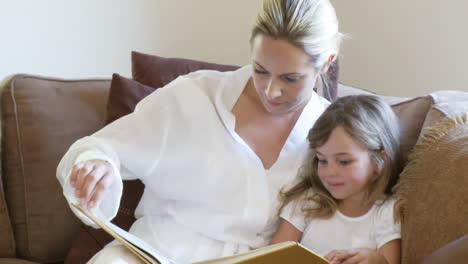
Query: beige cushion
[42, 117]
[432, 190]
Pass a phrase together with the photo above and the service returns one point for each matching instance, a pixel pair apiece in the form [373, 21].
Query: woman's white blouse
[207, 193]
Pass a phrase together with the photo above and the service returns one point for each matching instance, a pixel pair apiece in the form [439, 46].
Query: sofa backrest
[42, 117]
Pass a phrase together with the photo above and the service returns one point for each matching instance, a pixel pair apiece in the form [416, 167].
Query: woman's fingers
[90, 182]
[74, 174]
[101, 189]
[90, 179]
[82, 172]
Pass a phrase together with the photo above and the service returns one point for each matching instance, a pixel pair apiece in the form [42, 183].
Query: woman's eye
[322, 162]
[260, 71]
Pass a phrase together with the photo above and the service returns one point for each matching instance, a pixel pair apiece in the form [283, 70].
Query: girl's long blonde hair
[371, 122]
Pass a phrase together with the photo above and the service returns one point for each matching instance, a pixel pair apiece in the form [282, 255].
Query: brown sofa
[42, 117]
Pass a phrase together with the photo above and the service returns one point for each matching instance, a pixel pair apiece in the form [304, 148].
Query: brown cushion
[15, 261]
[432, 190]
[42, 117]
[7, 241]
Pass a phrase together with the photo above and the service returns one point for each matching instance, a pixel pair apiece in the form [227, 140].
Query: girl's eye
[292, 79]
[345, 162]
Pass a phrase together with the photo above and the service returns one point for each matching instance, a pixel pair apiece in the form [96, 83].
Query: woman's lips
[273, 103]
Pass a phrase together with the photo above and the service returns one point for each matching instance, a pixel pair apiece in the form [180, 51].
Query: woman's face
[282, 74]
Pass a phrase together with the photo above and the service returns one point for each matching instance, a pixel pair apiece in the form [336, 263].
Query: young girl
[341, 208]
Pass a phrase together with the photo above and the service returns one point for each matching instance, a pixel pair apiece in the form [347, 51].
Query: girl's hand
[91, 180]
[356, 256]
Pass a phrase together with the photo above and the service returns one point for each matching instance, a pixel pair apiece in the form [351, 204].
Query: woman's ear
[327, 65]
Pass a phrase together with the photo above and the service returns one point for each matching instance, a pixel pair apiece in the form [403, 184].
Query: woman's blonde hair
[308, 24]
[371, 122]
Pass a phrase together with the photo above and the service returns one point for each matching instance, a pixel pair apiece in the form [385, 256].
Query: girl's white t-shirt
[371, 230]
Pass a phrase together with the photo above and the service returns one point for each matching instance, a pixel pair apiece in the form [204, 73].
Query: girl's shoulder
[383, 209]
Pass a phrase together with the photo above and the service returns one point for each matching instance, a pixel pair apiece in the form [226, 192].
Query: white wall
[397, 47]
[404, 47]
[94, 38]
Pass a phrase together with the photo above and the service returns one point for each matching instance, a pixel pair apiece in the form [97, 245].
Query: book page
[136, 245]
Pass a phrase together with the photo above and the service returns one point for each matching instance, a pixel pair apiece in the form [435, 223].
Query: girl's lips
[335, 186]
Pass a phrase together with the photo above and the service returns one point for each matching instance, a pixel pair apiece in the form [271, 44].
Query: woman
[212, 148]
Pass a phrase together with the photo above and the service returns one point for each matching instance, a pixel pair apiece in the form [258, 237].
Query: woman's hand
[91, 180]
[356, 256]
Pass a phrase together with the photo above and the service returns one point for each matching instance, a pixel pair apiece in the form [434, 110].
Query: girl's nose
[331, 170]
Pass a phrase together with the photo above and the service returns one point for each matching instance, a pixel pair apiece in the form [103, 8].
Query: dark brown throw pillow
[124, 96]
[157, 71]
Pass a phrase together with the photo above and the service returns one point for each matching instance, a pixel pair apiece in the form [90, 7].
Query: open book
[286, 252]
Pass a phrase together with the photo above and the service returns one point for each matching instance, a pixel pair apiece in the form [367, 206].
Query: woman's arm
[286, 232]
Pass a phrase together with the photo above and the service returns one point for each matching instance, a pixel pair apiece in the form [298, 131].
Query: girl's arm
[392, 251]
[286, 232]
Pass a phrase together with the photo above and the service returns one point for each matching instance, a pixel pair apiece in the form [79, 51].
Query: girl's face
[282, 75]
[345, 166]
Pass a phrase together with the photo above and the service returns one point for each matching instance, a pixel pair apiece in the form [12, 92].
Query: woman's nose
[273, 90]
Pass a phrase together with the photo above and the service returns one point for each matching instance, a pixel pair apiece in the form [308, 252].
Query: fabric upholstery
[15, 261]
[411, 114]
[124, 95]
[41, 118]
[7, 241]
[453, 252]
[157, 71]
[431, 192]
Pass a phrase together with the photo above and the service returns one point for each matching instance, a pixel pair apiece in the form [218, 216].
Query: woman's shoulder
[208, 81]
[216, 76]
